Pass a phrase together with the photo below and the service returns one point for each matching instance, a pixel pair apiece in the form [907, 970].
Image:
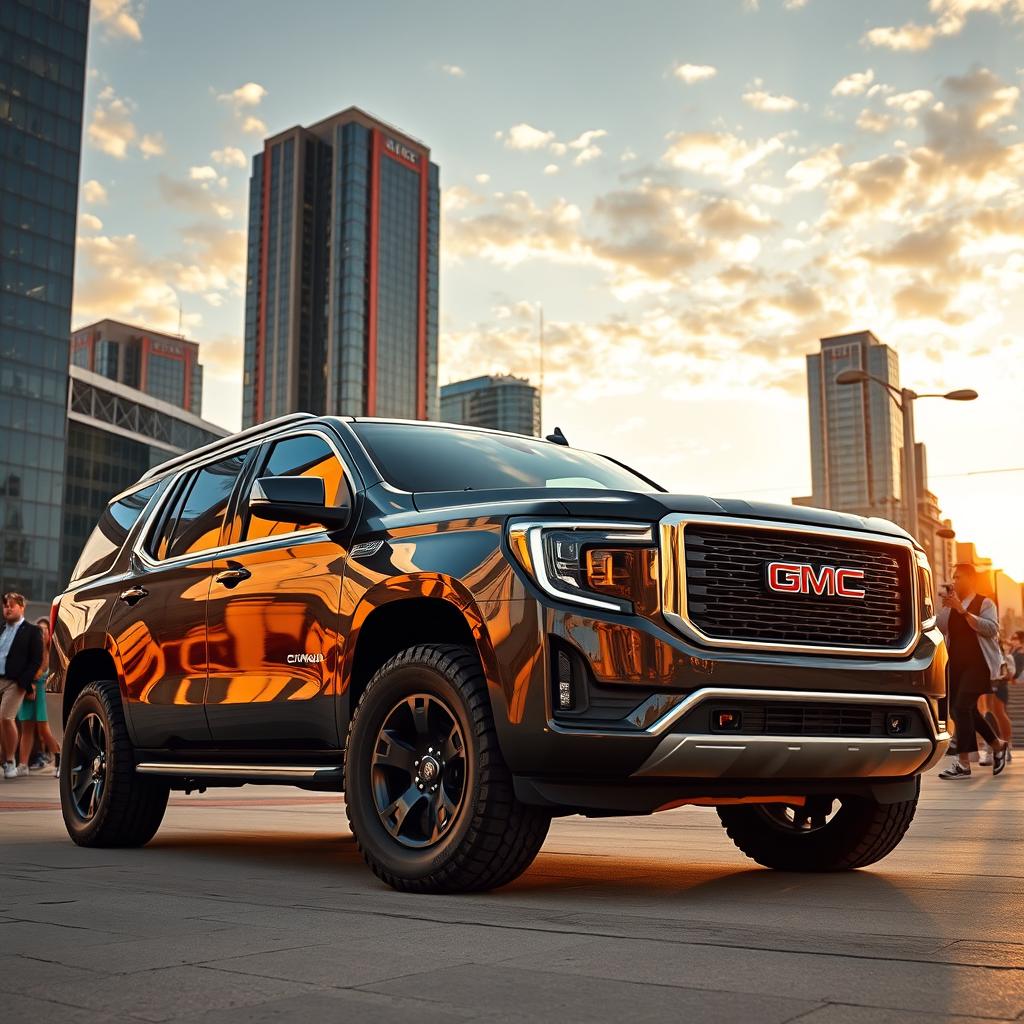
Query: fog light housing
[897, 724]
[727, 720]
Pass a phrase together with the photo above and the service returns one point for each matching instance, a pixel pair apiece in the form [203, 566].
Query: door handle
[133, 595]
[232, 577]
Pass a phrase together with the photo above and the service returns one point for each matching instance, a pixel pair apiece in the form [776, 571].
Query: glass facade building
[856, 430]
[162, 365]
[42, 79]
[114, 434]
[341, 283]
[500, 403]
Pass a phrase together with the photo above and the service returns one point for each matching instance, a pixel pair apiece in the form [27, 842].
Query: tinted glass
[102, 547]
[421, 458]
[306, 455]
[197, 525]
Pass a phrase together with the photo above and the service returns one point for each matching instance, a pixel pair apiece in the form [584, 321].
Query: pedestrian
[35, 729]
[21, 652]
[970, 624]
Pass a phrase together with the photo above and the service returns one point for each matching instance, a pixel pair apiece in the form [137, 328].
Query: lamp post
[904, 399]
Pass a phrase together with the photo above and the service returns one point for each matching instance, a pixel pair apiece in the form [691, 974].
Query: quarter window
[304, 455]
[102, 547]
[196, 525]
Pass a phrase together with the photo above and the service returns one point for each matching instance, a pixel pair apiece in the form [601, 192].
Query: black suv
[469, 632]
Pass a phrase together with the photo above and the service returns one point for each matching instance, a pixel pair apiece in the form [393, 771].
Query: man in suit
[21, 651]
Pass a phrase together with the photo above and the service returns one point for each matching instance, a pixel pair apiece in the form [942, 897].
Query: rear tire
[104, 801]
[453, 825]
[861, 832]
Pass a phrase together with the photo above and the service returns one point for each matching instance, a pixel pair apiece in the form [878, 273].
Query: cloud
[93, 192]
[111, 129]
[950, 19]
[249, 95]
[152, 145]
[551, 169]
[525, 136]
[876, 123]
[229, 156]
[854, 84]
[910, 102]
[453, 70]
[482, 178]
[718, 154]
[770, 103]
[692, 73]
[585, 144]
[812, 171]
[194, 195]
[118, 18]
[90, 222]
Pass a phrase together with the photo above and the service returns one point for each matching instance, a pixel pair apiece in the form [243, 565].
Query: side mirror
[295, 499]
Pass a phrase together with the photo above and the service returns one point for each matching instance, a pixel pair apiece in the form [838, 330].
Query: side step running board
[239, 771]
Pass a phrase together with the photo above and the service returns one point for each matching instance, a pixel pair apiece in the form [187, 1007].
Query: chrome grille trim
[671, 532]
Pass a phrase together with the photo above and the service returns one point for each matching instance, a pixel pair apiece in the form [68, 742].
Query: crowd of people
[26, 742]
[981, 670]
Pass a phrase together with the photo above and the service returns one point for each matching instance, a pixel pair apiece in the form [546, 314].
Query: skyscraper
[341, 287]
[42, 78]
[499, 402]
[856, 430]
[162, 365]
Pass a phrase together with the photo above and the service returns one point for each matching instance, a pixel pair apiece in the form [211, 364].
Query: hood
[588, 503]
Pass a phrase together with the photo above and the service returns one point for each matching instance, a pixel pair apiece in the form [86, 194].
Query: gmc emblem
[828, 581]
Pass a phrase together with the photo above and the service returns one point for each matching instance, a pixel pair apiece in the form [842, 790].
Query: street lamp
[904, 399]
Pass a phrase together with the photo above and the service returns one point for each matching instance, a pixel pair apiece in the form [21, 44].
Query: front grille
[727, 597]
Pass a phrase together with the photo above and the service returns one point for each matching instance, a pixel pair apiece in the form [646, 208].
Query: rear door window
[105, 542]
[196, 522]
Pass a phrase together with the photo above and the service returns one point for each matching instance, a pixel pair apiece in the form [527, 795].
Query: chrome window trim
[672, 530]
[138, 550]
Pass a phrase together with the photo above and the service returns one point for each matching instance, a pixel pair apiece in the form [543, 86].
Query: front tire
[104, 801]
[818, 836]
[428, 795]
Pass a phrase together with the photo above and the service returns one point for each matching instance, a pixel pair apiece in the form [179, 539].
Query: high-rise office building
[856, 430]
[162, 365]
[115, 433]
[499, 402]
[341, 286]
[42, 78]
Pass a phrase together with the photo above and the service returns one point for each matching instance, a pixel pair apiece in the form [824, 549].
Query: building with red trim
[341, 286]
[163, 366]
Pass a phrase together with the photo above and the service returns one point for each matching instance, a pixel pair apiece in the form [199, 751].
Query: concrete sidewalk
[253, 905]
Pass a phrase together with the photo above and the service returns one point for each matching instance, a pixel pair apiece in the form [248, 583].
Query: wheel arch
[89, 665]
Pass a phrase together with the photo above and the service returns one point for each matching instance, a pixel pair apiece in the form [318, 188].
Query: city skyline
[693, 213]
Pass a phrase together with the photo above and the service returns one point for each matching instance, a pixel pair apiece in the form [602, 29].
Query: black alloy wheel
[815, 814]
[88, 766]
[418, 770]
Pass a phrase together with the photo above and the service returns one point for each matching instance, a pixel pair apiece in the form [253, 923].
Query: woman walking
[32, 715]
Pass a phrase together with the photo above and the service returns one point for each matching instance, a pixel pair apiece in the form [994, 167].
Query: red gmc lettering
[828, 581]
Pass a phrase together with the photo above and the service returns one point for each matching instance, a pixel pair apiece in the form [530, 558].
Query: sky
[694, 191]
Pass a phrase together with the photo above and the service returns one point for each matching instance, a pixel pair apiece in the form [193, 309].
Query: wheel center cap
[429, 769]
[97, 765]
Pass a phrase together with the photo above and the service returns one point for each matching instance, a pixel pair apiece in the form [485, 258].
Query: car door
[273, 613]
[159, 622]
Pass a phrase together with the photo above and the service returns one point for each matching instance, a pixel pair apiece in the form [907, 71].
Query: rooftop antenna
[181, 333]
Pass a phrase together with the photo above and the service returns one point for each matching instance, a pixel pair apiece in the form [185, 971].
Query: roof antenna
[557, 437]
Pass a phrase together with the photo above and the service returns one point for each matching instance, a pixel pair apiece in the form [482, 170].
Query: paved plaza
[253, 905]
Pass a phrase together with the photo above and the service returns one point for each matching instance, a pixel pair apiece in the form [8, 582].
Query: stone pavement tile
[841, 1014]
[31, 938]
[536, 994]
[987, 954]
[335, 1007]
[399, 948]
[25, 1009]
[859, 981]
[162, 995]
[25, 974]
[147, 954]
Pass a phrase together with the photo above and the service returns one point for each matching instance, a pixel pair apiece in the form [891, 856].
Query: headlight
[600, 565]
[926, 590]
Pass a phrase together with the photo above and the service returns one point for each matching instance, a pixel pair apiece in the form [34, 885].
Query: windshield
[418, 458]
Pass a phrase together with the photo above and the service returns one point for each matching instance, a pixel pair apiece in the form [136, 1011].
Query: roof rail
[254, 432]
